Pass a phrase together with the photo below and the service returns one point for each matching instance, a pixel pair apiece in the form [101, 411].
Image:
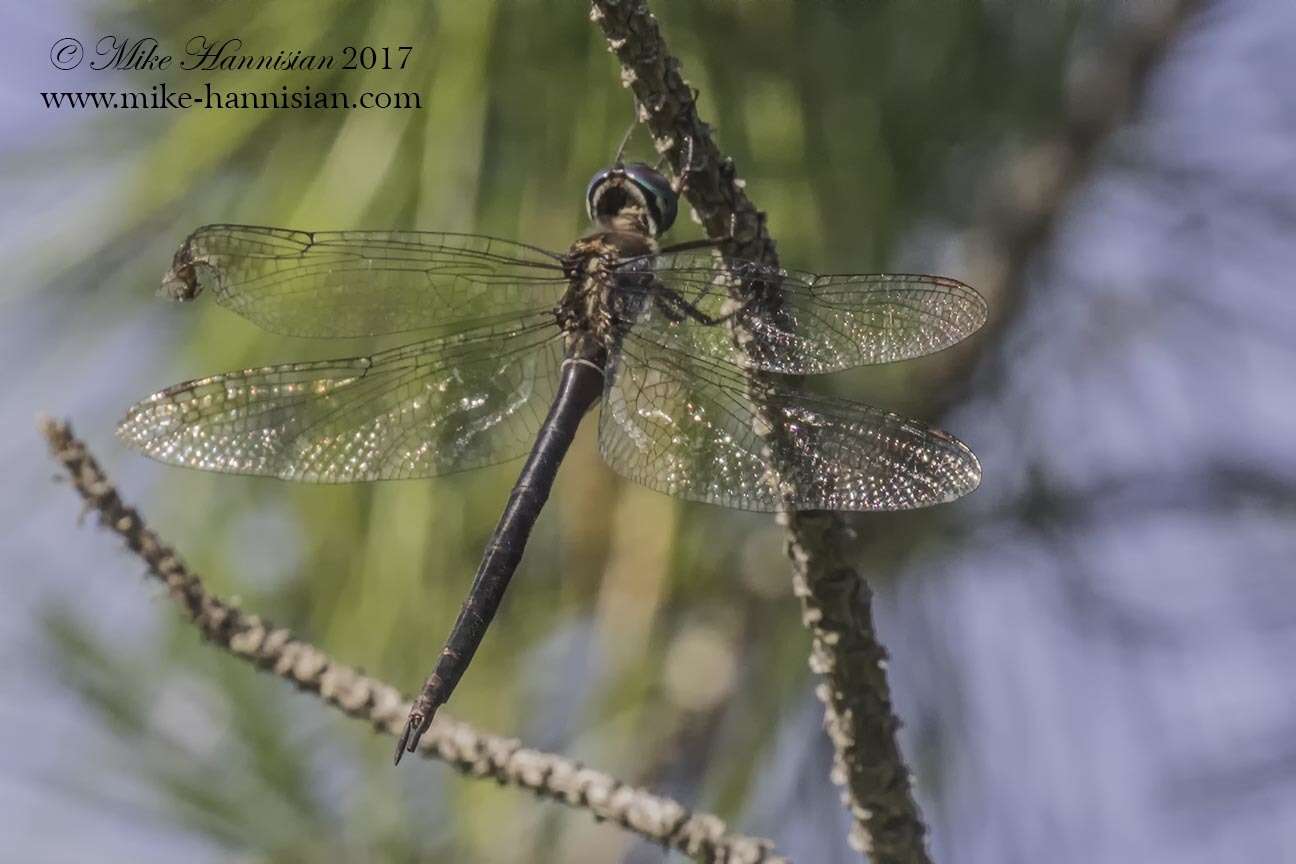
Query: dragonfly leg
[620, 153]
[681, 182]
[673, 305]
[672, 314]
[687, 245]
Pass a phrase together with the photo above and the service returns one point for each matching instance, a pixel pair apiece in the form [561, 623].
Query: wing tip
[973, 479]
[125, 430]
[968, 467]
[980, 308]
[135, 431]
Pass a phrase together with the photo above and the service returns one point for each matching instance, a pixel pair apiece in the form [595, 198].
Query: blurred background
[1092, 654]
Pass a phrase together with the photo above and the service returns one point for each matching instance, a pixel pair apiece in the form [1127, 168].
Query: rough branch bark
[836, 602]
[1020, 207]
[701, 836]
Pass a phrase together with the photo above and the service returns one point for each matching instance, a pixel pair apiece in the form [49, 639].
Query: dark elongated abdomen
[579, 388]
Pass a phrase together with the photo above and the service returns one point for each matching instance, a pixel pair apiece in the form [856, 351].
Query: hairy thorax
[589, 313]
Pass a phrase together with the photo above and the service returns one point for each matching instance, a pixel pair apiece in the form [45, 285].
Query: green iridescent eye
[662, 200]
[659, 197]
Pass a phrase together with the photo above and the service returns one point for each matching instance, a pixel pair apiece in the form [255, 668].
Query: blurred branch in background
[836, 602]
[702, 836]
[1020, 202]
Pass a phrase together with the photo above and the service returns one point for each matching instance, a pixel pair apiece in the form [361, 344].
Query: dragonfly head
[632, 197]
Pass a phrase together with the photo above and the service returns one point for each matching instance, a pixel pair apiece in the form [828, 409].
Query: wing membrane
[423, 409]
[687, 427]
[824, 324]
[364, 283]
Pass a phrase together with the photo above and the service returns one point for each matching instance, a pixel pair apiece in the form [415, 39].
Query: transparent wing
[824, 323]
[423, 409]
[364, 283]
[686, 426]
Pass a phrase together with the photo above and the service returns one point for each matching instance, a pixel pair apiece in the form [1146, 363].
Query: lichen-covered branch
[702, 836]
[1020, 207]
[836, 602]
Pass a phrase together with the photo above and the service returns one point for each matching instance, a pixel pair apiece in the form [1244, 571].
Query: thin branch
[836, 602]
[701, 836]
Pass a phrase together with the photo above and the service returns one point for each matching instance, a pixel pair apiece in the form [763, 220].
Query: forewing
[687, 427]
[821, 323]
[423, 409]
[364, 283]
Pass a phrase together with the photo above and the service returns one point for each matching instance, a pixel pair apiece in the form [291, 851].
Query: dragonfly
[691, 354]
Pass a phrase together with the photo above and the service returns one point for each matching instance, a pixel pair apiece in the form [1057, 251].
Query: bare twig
[702, 836]
[836, 602]
[1019, 204]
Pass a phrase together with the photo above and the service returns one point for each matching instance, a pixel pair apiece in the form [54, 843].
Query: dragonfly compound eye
[662, 200]
[632, 190]
[594, 191]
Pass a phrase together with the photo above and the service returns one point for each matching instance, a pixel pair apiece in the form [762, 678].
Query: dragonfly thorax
[591, 308]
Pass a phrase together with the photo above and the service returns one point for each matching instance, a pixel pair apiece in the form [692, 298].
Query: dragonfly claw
[415, 726]
[420, 718]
